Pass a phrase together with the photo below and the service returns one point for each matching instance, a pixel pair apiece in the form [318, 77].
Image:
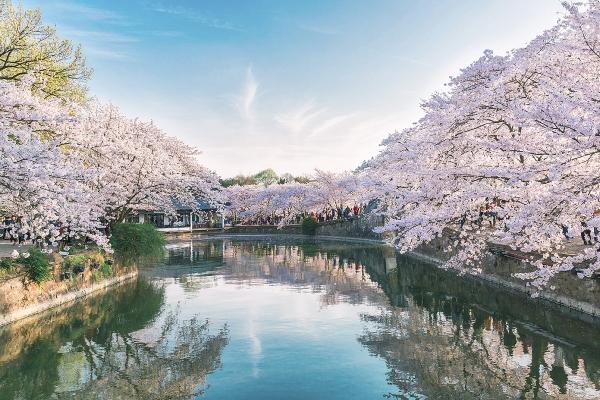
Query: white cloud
[245, 101]
[90, 13]
[206, 20]
[100, 36]
[331, 122]
[106, 54]
[296, 120]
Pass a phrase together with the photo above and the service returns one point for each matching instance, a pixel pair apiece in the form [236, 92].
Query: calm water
[271, 319]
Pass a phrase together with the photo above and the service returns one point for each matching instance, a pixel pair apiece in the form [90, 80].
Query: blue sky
[291, 85]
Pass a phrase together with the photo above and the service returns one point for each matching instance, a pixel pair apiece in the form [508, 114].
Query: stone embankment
[16, 289]
[20, 297]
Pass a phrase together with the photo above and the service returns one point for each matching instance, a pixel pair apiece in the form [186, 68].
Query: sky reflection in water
[273, 319]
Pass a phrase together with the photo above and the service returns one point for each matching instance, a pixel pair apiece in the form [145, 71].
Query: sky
[284, 84]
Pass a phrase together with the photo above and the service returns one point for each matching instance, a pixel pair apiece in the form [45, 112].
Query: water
[272, 319]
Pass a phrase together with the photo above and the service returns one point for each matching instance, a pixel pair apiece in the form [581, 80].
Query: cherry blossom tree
[325, 190]
[39, 183]
[69, 170]
[137, 166]
[517, 137]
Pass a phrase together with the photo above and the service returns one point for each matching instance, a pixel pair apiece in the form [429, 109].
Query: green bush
[134, 241]
[36, 265]
[75, 263]
[6, 263]
[75, 260]
[309, 226]
[105, 269]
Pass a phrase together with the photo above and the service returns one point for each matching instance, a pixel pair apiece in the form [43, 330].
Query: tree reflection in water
[442, 336]
[109, 347]
[172, 366]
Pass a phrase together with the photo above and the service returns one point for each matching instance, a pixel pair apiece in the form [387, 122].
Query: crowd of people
[10, 229]
[325, 215]
[488, 212]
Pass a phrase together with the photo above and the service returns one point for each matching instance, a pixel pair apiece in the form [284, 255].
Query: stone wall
[499, 265]
[20, 297]
[357, 228]
[264, 230]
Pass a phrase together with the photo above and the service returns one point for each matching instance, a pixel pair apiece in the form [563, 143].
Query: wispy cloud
[244, 102]
[166, 34]
[90, 13]
[106, 54]
[296, 120]
[329, 123]
[100, 36]
[204, 19]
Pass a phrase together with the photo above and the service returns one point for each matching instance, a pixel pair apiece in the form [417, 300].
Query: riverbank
[566, 292]
[57, 299]
[70, 278]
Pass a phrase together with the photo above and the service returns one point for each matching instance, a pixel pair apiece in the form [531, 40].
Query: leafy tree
[28, 47]
[266, 177]
[241, 180]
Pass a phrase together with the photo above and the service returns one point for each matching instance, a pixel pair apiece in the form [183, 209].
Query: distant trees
[28, 48]
[264, 177]
[324, 190]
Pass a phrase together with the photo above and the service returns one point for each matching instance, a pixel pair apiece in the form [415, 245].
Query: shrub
[36, 265]
[105, 269]
[75, 261]
[6, 263]
[309, 226]
[133, 241]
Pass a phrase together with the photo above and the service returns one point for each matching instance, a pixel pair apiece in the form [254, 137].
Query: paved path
[6, 248]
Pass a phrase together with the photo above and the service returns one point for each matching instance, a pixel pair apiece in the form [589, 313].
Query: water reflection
[114, 346]
[441, 337]
[270, 319]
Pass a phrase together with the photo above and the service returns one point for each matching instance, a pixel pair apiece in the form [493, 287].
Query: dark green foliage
[36, 265]
[265, 177]
[309, 226]
[105, 269]
[75, 261]
[134, 241]
[6, 263]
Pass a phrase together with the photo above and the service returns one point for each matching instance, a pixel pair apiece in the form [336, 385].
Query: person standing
[586, 234]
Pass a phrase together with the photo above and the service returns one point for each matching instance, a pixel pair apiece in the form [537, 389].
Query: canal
[299, 319]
